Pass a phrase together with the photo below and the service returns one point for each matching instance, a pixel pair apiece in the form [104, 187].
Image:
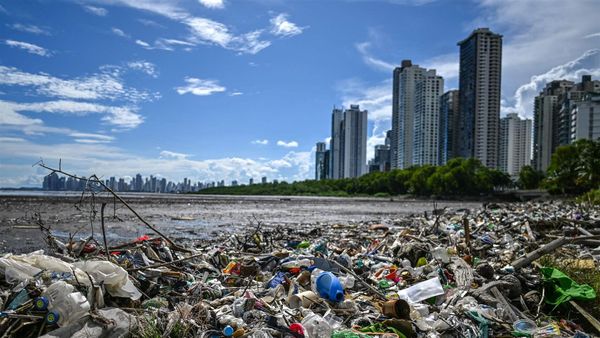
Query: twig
[362, 281]
[106, 252]
[165, 264]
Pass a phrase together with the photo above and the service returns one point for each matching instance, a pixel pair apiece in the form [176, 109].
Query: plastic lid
[41, 303]
[52, 317]
[228, 331]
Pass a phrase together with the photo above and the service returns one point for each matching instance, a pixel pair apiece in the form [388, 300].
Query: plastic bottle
[329, 287]
[64, 305]
[315, 326]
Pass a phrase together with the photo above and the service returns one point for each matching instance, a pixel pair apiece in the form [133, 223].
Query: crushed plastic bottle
[65, 305]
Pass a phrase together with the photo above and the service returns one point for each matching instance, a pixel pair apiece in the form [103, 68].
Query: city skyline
[140, 86]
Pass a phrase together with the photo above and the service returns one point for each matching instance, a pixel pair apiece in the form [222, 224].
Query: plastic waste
[525, 326]
[114, 277]
[228, 331]
[329, 287]
[316, 327]
[65, 305]
[421, 291]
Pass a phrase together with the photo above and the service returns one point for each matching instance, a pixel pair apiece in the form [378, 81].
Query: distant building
[321, 161]
[251, 181]
[449, 106]
[348, 145]
[234, 183]
[515, 144]
[381, 161]
[405, 80]
[427, 119]
[479, 95]
[336, 145]
[263, 180]
[586, 118]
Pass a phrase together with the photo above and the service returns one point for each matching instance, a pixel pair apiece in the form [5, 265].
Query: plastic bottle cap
[228, 331]
[52, 317]
[41, 303]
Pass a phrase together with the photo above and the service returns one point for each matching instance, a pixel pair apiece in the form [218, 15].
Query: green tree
[529, 178]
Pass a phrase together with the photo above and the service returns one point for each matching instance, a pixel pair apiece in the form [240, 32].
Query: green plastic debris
[379, 327]
[384, 284]
[561, 288]
[347, 334]
[303, 245]
[421, 262]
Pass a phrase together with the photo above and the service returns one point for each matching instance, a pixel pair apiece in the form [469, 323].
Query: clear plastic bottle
[65, 305]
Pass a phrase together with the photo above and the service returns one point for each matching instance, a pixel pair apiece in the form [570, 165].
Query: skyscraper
[355, 142]
[479, 96]
[514, 144]
[449, 106]
[546, 123]
[405, 79]
[336, 154]
[348, 145]
[321, 161]
[427, 118]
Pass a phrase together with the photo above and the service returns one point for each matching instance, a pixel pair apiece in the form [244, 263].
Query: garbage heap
[453, 273]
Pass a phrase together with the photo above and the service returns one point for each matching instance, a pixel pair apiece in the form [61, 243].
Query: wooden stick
[165, 264]
[106, 252]
[346, 270]
[555, 244]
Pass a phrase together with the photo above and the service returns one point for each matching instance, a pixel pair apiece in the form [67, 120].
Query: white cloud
[281, 26]
[89, 137]
[588, 63]
[261, 142]
[119, 32]
[202, 30]
[96, 10]
[29, 47]
[377, 99]
[142, 43]
[212, 3]
[290, 144]
[208, 31]
[11, 139]
[363, 50]
[200, 87]
[121, 117]
[105, 85]
[236, 94]
[29, 29]
[144, 66]
[594, 35]
[173, 155]
[446, 65]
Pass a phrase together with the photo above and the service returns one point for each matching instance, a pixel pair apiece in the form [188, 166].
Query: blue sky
[227, 89]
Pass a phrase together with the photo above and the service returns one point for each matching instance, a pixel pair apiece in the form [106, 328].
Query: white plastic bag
[114, 277]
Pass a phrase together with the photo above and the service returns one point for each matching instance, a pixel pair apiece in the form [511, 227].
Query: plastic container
[525, 326]
[315, 326]
[329, 287]
[65, 306]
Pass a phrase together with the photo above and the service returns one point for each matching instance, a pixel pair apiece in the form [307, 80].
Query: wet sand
[187, 217]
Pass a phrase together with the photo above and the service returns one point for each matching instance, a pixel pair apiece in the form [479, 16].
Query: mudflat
[186, 217]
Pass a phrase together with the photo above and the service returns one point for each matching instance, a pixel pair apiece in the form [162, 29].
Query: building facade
[426, 121]
[479, 96]
[321, 161]
[336, 153]
[515, 143]
[449, 106]
[355, 142]
[405, 80]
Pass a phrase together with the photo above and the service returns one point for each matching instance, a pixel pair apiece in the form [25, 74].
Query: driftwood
[548, 248]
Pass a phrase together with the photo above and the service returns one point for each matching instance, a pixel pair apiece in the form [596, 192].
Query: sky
[225, 89]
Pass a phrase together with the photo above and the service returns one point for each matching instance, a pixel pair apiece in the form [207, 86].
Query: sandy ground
[187, 217]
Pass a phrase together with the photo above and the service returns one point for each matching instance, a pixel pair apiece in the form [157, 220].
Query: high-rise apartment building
[355, 142]
[546, 121]
[426, 121]
[479, 96]
[586, 118]
[336, 153]
[449, 106]
[348, 145]
[321, 161]
[405, 80]
[514, 144]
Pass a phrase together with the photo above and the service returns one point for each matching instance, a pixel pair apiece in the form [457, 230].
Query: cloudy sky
[226, 89]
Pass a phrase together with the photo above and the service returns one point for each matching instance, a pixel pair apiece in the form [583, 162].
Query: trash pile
[459, 273]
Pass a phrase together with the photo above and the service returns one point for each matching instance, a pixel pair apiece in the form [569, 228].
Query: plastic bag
[421, 291]
[114, 277]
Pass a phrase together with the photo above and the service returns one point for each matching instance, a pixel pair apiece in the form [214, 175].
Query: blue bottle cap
[52, 317]
[228, 331]
[40, 303]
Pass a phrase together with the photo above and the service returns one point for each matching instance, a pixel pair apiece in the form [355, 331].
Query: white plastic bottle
[316, 326]
[65, 304]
